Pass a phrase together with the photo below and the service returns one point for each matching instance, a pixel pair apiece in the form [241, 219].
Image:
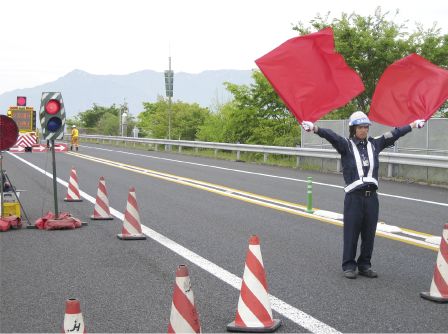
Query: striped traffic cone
[73, 188]
[132, 230]
[183, 318]
[73, 321]
[254, 312]
[101, 210]
[438, 292]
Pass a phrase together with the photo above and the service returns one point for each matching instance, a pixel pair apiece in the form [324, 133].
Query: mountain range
[80, 90]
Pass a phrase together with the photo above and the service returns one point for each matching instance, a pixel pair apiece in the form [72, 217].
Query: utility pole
[169, 78]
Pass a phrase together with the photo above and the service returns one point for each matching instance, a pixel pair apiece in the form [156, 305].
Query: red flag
[309, 76]
[411, 88]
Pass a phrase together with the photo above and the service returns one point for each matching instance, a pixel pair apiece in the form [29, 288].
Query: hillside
[81, 89]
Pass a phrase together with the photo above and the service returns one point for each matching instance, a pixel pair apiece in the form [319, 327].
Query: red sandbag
[65, 221]
[14, 221]
[4, 225]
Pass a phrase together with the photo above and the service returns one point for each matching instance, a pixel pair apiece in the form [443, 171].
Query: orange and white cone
[183, 318]
[73, 321]
[132, 229]
[73, 188]
[101, 210]
[254, 312]
[438, 292]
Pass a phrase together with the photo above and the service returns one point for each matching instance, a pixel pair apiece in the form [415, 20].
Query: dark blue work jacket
[360, 158]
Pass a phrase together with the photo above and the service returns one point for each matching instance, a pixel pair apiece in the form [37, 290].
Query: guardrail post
[265, 157]
[309, 191]
[216, 152]
[338, 165]
[298, 157]
[238, 152]
[390, 170]
[179, 149]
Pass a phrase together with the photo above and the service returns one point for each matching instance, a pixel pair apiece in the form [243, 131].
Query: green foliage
[108, 123]
[186, 119]
[91, 117]
[255, 116]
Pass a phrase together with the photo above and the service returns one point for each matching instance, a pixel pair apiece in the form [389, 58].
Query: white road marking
[294, 314]
[265, 175]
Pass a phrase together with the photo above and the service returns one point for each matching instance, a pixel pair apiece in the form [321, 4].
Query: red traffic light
[8, 132]
[52, 107]
[21, 101]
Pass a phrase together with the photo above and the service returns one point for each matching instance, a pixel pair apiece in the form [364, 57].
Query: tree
[370, 44]
[185, 119]
[108, 124]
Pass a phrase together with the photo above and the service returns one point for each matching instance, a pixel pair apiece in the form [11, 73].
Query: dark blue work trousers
[360, 217]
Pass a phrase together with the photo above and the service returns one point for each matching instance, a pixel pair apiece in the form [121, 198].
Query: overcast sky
[42, 40]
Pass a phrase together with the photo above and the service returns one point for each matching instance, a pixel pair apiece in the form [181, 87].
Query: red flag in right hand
[409, 89]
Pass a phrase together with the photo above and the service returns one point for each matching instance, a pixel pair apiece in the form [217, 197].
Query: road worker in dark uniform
[360, 163]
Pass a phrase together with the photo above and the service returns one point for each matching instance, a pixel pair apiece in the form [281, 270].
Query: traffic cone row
[254, 313]
[131, 230]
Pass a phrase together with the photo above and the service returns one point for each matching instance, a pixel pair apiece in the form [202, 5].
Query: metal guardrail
[390, 158]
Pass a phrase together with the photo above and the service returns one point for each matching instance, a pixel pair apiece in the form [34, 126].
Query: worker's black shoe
[350, 274]
[368, 273]
[76, 148]
[71, 148]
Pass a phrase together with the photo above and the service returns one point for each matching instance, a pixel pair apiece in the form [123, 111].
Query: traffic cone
[73, 188]
[101, 210]
[183, 318]
[254, 312]
[438, 292]
[73, 321]
[132, 230]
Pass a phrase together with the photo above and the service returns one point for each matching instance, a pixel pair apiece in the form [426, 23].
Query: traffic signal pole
[55, 183]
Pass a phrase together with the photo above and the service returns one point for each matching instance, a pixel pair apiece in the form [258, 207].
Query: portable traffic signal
[21, 101]
[52, 115]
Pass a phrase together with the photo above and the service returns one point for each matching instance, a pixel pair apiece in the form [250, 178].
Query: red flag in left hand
[409, 89]
[310, 76]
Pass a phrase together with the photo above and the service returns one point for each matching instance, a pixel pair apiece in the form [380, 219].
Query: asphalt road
[127, 286]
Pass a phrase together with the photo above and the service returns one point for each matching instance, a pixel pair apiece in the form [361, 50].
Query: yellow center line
[248, 197]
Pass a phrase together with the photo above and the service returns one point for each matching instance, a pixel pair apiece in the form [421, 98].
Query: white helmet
[359, 118]
[73, 126]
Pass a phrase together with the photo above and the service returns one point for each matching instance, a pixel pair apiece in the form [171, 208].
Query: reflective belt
[362, 179]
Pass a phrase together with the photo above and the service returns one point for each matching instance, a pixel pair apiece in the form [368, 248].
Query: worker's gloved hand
[308, 126]
[419, 123]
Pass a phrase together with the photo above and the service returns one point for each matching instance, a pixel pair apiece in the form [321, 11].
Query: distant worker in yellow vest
[75, 138]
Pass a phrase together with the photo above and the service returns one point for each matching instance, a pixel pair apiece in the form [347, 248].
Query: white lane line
[292, 313]
[265, 175]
